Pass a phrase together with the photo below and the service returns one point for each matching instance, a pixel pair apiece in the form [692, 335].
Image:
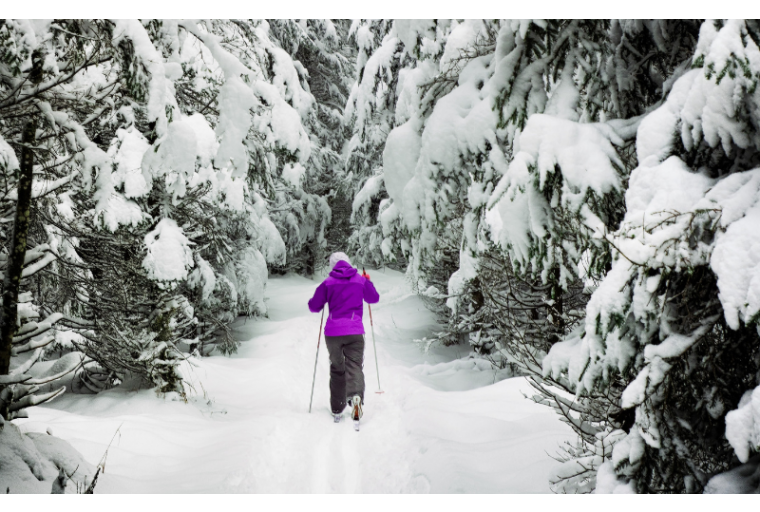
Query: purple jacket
[344, 290]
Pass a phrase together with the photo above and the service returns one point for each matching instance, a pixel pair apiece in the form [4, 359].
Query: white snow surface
[293, 173]
[445, 423]
[8, 160]
[168, 252]
[31, 462]
[128, 159]
[402, 149]
[743, 425]
[370, 190]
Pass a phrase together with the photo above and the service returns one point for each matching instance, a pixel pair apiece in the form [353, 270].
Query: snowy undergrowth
[31, 463]
[445, 423]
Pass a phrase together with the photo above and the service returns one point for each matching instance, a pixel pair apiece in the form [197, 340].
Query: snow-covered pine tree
[20, 334]
[370, 113]
[314, 220]
[159, 142]
[561, 200]
[582, 188]
[30, 79]
[534, 127]
[670, 333]
[548, 255]
[445, 137]
[331, 75]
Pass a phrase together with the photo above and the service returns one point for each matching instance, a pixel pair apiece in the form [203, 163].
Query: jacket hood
[343, 270]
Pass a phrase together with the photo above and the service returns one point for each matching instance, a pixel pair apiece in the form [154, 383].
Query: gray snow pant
[346, 363]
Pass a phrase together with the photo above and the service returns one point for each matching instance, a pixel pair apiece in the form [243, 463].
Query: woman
[345, 291]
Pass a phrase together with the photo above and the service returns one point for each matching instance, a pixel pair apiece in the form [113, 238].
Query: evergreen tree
[318, 220]
[575, 199]
[160, 146]
[670, 332]
[535, 129]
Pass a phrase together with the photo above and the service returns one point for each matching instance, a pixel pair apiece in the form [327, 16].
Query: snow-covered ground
[444, 423]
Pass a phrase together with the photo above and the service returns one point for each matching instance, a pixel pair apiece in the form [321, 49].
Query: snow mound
[31, 462]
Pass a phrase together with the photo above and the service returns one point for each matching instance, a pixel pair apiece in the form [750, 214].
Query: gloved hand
[365, 275]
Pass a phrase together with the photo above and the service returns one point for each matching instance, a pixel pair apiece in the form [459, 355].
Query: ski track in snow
[444, 424]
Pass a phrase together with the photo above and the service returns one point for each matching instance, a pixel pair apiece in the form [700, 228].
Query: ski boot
[356, 411]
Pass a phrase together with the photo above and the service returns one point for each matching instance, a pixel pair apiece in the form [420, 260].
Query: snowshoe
[337, 417]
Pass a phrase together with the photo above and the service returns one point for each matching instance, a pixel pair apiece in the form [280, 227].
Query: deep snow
[445, 423]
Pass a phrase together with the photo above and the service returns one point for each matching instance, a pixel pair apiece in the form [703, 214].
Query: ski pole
[314, 379]
[374, 346]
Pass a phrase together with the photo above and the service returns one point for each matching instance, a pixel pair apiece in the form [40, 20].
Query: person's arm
[317, 302]
[370, 294]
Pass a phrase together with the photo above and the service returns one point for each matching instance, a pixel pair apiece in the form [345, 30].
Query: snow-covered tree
[159, 146]
[574, 198]
[670, 333]
[313, 218]
[519, 169]
[370, 113]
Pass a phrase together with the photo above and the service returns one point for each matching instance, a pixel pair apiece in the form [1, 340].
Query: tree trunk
[16, 257]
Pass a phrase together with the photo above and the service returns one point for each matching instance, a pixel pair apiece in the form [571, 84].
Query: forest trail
[444, 424]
